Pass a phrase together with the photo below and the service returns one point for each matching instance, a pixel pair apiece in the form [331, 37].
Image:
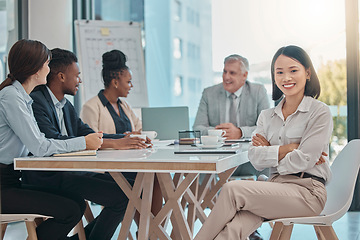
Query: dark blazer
[47, 120]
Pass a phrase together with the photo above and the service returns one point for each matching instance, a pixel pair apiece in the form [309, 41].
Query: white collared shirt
[310, 125]
[59, 111]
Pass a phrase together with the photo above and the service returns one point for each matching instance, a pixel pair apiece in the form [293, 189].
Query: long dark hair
[114, 62]
[26, 57]
[312, 86]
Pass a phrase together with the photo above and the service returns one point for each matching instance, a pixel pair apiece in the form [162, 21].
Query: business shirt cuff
[76, 144]
[273, 155]
[283, 167]
[242, 133]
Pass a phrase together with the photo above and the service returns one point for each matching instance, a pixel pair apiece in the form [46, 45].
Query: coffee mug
[216, 132]
[209, 140]
[150, 134]
[143, 136]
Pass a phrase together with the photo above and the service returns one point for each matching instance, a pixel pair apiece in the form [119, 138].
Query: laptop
[166, 121]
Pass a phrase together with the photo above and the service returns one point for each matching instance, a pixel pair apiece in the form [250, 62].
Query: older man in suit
[234, 106]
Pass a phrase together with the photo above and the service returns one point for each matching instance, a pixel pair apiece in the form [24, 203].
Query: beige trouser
[243, 205]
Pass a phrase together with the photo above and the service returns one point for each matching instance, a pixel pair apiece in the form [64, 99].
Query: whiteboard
[93, 39]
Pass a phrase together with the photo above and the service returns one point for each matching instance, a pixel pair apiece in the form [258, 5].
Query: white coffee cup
[216, 132]
[150, 134]
[143, 136]
[209, 140]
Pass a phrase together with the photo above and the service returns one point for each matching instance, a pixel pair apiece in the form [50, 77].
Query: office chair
[340, 191]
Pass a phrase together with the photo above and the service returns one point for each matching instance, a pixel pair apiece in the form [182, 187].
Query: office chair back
[340, 189]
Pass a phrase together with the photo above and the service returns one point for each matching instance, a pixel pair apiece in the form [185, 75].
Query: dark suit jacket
[47, 120]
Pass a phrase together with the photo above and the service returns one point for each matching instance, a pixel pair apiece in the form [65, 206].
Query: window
[177, 48]
[276, 23]
[177, 15]
[190, 15]
[119, 10]
[4, 37]
[178, 86]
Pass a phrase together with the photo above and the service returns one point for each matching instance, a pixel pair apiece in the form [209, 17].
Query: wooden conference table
[176, 173]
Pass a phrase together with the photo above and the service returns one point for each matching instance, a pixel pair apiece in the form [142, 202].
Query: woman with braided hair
[107, 111]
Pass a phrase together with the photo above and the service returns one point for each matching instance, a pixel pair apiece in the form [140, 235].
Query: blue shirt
[19, 132]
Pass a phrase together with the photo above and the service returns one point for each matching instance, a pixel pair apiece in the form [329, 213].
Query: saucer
[209, 146]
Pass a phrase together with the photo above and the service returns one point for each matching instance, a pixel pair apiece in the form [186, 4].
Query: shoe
[255, 236]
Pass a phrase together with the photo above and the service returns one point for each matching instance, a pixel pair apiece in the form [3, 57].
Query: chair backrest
[340, 189]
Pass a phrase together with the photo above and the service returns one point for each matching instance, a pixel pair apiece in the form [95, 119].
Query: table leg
[133, 194]
[146, 201]
[172, 196]
[207, 201]
[135, 203]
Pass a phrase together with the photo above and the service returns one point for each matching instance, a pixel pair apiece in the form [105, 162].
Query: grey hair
[235, 57]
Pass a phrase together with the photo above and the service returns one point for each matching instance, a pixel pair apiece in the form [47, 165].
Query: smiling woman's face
[290, 76]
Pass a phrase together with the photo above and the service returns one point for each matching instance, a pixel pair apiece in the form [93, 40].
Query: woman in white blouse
[292, 140]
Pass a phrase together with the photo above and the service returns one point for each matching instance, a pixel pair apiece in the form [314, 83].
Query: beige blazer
[98, 117]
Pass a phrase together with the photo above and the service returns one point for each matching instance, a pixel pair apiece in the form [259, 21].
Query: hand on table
[232, 132]
[128, 134]
[94, 141]
[130, 143]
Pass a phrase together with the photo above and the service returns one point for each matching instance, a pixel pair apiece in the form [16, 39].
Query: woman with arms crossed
[289, 140]
[19, 135]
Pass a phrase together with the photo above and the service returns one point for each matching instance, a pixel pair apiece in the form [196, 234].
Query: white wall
[51, 22]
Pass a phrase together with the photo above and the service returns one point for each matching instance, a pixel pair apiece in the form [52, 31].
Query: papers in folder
[77, 153]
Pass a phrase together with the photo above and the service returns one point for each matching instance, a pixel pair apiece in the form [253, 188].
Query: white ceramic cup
[143, 136]
[216, 132]
[150, 134]
[209, 140]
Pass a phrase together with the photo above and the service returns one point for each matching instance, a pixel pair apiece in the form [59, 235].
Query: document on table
[162, 143]
[77, 153]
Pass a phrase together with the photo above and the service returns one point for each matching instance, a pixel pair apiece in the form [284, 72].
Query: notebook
[77, 153]
[166, 121]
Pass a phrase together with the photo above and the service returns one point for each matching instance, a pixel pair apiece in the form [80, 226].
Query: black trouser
[65, 208]
[103, 190]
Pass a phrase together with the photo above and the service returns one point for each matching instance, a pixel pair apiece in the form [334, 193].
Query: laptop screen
[166, 121]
